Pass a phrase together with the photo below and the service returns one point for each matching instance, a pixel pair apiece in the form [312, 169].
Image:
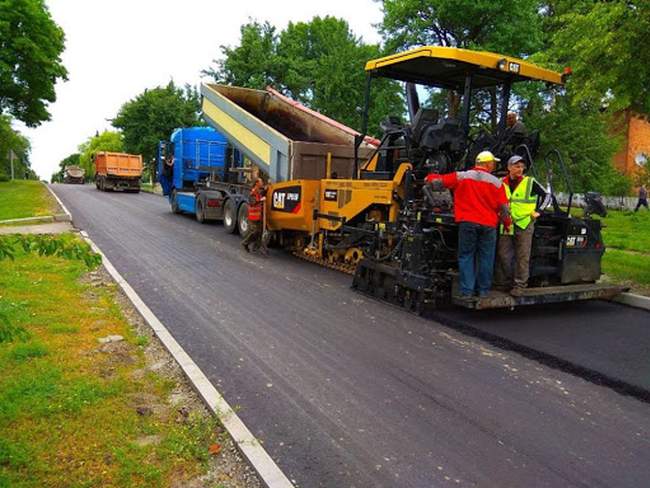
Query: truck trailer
[117, 171]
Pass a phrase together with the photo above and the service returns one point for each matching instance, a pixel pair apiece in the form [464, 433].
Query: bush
[3, 177]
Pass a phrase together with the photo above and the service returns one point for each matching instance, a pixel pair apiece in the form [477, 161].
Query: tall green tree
[606, 44]
[320, 63]
[253, 63]
[31, 44]
[153, 115]
[12, 142]
[110, 141]
[510, 27]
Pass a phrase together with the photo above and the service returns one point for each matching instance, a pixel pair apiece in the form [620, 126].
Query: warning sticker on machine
[286, 199]
[331, 195]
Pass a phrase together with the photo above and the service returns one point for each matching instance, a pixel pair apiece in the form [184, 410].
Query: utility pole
[11, 159]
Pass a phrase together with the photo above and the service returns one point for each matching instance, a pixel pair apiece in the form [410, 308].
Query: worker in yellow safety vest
[514, 245]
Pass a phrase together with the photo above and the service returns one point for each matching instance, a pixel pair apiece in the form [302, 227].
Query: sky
[117, 48]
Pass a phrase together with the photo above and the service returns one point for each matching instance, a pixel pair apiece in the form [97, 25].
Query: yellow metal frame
[481, 59]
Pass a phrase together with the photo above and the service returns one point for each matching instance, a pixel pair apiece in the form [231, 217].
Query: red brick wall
[638, 142]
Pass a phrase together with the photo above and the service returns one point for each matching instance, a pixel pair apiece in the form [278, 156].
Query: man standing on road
[514, 245]
[255, 221]
[479, 203]
[643, 198]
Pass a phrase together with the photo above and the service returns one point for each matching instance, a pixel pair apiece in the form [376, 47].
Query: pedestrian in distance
[514, 245]
[643, 198]
[255, 234]
[480, 203]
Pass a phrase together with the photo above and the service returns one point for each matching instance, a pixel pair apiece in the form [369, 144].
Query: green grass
[67, 411]
[25, 198]
[627, 240]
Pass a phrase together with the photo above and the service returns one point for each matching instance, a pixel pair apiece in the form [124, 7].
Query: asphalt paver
[344, 391]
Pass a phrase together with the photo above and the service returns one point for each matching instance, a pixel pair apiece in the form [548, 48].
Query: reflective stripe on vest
[522, 203]
[255, 209]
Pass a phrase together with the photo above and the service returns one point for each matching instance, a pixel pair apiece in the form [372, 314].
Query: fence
[616, 203]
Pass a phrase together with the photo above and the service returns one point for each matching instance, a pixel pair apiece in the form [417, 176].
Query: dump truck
[74, 175]
[379, 221]
[202, 174]
[117, 171]
[284, 141]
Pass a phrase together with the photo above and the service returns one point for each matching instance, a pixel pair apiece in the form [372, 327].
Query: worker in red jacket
[479, 204]
[255, 222]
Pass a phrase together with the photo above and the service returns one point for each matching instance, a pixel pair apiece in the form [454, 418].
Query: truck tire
[174, 203]
[230, 216]
[200, 214]
[242, 219]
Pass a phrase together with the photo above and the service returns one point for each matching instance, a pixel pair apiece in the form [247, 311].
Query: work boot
[517, 291]
[245, 247]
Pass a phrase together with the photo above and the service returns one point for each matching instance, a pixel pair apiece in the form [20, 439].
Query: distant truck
[117, 171]
[74, 175]
[201, 174]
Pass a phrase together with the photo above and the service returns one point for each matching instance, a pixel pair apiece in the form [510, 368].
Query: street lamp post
[11, 159]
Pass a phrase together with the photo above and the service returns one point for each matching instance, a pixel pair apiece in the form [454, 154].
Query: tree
[31, 44]
[509, 27]
[252, 64]
[319, 63]
[606, 44]
[14, 142]
[581, 134]
[110, 141]
[153, 115]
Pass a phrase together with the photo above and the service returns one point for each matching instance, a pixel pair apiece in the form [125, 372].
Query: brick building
[635, 152]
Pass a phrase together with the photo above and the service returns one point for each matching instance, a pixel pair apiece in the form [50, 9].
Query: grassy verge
[627, 238]
[78, 413]
[149, 188]
[25, 198]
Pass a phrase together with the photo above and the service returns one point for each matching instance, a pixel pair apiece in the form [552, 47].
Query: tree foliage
[319, 63]
[13, 141]
[153, 115]
[31, 44]
[606, 44]
[509, 27]
[110, 141]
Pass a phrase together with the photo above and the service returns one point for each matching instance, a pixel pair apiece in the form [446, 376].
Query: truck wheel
[230, 217]
[200, 214]
[242, 219]
[175, 208]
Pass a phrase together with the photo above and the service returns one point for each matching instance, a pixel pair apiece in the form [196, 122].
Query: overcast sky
[117, 48]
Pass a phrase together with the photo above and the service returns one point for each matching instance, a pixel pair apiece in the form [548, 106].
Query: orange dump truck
[117, 171]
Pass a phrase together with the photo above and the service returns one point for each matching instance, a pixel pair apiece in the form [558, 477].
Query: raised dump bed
[286, 140]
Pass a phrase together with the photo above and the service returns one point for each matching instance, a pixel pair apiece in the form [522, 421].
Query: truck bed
[285, 139]
[119, 165]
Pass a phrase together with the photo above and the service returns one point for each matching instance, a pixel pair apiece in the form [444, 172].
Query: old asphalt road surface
[347, 392]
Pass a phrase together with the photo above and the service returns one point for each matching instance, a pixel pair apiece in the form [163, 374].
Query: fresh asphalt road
[344, 391]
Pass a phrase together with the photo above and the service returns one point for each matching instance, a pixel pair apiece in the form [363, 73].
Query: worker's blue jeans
[476, 248]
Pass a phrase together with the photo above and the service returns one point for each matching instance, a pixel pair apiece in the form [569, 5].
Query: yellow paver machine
[395, 234]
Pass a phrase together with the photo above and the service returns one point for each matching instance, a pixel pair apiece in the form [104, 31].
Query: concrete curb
[633, 300]
[269, 472]
[58, 200]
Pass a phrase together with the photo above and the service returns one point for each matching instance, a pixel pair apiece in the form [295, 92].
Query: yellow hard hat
[486, 157]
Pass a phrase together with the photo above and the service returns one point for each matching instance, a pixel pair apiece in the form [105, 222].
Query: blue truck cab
[197, 170]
